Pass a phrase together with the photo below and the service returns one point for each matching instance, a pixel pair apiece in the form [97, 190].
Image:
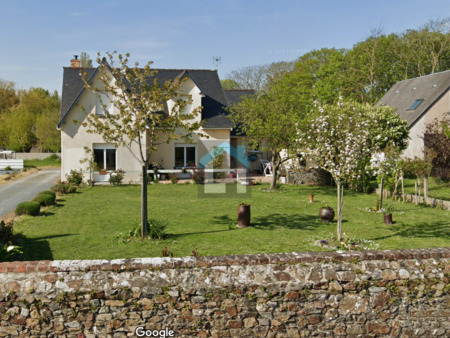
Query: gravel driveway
[25, 189]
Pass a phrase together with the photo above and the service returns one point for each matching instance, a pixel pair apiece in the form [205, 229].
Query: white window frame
[105, 147]
[184, 146]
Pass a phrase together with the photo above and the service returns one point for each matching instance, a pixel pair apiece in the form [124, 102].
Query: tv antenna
[216, 61]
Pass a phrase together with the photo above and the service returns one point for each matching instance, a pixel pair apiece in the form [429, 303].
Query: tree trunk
[381, 191]
[340, 191]
[144, 216]
[425, 188]
[275, 163]
[395, 192]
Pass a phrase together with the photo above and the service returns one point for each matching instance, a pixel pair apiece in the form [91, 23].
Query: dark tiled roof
[214, 102]
[403, 94]
[235, 96]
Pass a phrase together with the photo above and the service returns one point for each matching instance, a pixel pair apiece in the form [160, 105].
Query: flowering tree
[341, 140]
[137, 113]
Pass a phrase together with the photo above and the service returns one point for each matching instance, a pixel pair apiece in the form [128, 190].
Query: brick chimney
[75, 63]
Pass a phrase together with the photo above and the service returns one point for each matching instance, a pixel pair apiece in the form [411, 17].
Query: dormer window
[415, 104]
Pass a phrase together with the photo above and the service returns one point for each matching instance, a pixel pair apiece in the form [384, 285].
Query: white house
[202, 86]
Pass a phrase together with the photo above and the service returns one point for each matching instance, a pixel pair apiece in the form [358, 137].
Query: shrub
[48, 192]
[45, 199]
[28, 208]
[8, 252]
[199, 176]
[64, 188]
[174, 179]
[75, 177]
[157, 228]
[116, 177]
[8, 168]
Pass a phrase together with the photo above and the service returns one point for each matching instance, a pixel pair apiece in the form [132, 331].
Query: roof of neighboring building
[235, 96]
[412, 98]
[214, 102]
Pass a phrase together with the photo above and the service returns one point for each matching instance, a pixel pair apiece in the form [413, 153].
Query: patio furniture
[267, 168]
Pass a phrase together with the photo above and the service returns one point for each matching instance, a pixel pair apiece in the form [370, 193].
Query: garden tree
[257, 77]
[437, 140]
[250, 77]
[145, 113]
[18, 128]
[421, 168]
[8, 96]
[267, 121]
[48, 137]
[339, 141]
[371, 68]
[426, 50]
[316, 75]
[85, 60]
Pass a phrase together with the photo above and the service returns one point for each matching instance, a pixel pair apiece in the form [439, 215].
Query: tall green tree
[140, 119]
[268, 122]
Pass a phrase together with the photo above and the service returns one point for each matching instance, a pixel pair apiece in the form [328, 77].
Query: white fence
[13, 164]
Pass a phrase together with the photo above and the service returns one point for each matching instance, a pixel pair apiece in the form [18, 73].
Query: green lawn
[51, 161]
[84, 225]
[439, 190]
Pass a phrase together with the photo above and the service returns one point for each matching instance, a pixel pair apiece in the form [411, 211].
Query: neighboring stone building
[419, 101]
[205, 90]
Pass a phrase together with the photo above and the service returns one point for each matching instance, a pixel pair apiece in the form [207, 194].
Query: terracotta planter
[388, 219]
[326, 214]
[243, 216]
[103, 172]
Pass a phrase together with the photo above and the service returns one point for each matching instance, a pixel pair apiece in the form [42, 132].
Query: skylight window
[415, 104]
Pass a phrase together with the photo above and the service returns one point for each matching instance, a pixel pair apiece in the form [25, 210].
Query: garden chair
[267, 167]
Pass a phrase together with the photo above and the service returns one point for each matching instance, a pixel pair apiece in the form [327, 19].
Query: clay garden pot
[326, 214]
[388, 219]
[243, 215]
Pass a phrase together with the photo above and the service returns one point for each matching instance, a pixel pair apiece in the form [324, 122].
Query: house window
[185, 156]
[415, 104]
[105, 157]
[188, 100]
[106, 102]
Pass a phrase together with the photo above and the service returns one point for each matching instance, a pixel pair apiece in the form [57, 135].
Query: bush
[64, 188]
[75, 177]
[174, 179]
[116, 177]
[28, 208]
[48, 192]
[9, 252]
[157, 228]
[45, 200]
[199, 176]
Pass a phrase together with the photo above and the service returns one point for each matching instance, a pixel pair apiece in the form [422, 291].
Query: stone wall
[34, 156]
[361, 294]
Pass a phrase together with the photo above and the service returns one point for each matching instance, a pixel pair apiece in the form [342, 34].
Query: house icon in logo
[228, 189]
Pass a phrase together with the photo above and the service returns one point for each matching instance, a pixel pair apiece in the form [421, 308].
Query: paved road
[25, 189]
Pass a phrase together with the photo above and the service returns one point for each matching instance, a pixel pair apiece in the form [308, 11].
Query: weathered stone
[73, 324]
[114, 303]
[234, 324]
[353, 304]
[8, 330]
[250, 322]
[354, 329]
